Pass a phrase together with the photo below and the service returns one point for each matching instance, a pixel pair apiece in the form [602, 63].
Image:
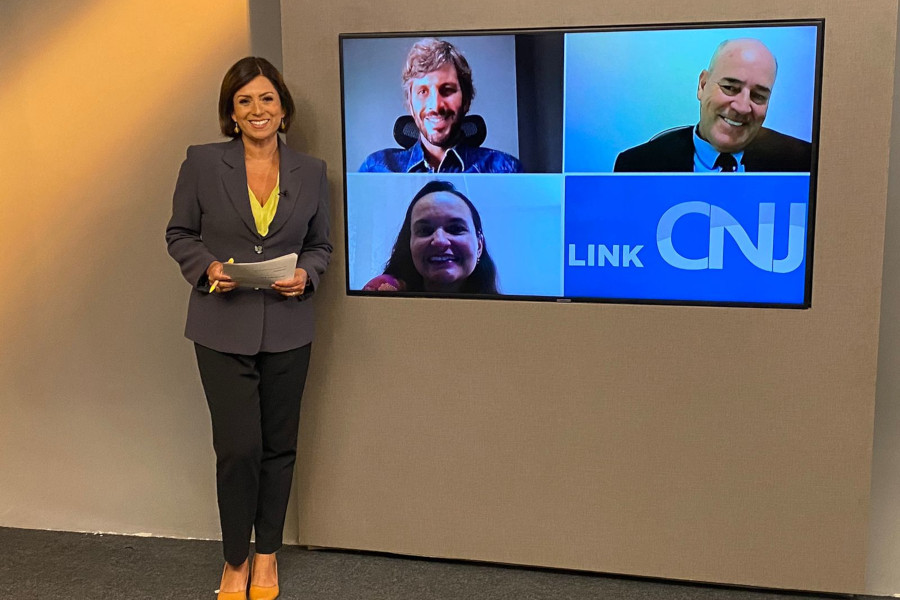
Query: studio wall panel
[883, 572]
[711, 444]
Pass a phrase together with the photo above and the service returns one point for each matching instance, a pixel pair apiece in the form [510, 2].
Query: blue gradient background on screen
[620, 210]
[521, 216]
[624, 87]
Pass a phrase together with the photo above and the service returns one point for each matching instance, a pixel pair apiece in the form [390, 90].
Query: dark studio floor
[60, 565]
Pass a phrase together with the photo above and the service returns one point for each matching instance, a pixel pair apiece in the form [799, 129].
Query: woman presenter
[248, 200]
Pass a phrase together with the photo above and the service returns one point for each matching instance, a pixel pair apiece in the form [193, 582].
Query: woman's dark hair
[483, 280]
[240, 74]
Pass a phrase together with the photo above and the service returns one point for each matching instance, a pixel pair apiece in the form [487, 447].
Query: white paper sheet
[262, 274]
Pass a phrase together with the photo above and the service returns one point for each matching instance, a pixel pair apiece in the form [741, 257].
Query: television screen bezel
[817, 22]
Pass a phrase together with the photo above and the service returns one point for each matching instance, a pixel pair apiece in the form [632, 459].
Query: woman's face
[257, 109]
[445, 247]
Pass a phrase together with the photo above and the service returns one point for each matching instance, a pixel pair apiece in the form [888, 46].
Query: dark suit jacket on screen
[211, 220]
[673, 151]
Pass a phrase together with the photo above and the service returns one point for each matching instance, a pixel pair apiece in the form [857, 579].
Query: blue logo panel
[718, 238]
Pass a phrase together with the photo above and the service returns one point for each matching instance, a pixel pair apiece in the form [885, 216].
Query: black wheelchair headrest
[473, 131]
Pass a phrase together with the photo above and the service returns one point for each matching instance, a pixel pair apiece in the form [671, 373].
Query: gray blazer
[211, 220]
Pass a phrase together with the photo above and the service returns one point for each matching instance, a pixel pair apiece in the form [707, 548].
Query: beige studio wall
[883, 569]
[723, 445]
[710, 444]
[104, 426]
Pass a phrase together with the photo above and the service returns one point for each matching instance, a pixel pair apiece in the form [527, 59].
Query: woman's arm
[183, 231]
[316, 251]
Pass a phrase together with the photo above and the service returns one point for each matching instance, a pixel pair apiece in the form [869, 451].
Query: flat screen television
[666, 164]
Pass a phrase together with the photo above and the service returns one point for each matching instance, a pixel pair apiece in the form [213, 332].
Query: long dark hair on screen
[483, 280]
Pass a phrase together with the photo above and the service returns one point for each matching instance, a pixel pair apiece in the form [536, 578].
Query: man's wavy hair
[430, 55]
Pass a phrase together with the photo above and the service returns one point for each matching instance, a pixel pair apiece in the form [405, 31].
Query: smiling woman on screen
[440, 247]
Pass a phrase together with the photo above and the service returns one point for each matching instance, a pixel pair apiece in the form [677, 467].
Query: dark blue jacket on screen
[459, 159]
[673, 151]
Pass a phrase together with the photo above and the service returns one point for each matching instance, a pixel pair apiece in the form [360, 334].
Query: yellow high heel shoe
[242, 595]
[260, 592]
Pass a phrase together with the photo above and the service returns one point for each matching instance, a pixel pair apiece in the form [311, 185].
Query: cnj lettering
[720, 222]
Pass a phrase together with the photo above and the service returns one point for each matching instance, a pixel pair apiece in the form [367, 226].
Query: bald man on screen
[734, 94]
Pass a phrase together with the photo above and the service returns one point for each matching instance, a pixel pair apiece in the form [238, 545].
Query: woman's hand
[385, 283]
[291, 288]
[216, 275]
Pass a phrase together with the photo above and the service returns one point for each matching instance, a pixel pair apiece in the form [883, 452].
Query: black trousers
[254, 402]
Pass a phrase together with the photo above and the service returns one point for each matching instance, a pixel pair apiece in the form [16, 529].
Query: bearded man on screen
[438, 91]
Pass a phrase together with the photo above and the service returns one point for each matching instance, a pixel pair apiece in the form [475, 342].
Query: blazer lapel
[290, 176]
[235, 182]
[682, 156]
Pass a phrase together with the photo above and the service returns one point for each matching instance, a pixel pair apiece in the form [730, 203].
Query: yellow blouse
[263, 215]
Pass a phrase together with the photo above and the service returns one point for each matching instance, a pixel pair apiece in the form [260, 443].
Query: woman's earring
[282, 125]
[236, 128]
